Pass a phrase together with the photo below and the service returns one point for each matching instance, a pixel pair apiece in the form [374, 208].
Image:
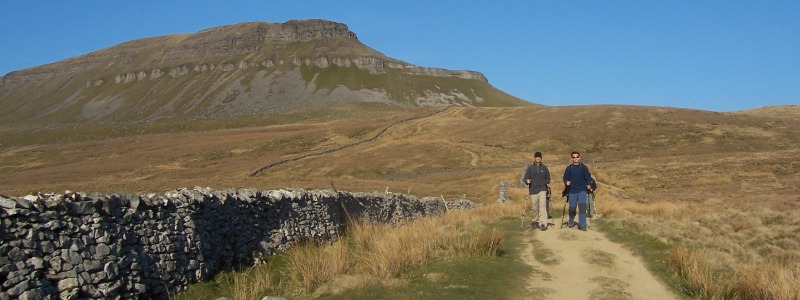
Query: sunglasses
[576, 157]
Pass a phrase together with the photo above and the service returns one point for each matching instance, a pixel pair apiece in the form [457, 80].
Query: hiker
[577, 180]
[537, 177]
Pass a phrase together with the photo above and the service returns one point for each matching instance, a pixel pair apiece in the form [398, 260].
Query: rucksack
[585, 169]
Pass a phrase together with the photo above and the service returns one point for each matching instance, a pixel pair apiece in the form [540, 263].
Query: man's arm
[588, 176]
[527, 178]
[547, 176]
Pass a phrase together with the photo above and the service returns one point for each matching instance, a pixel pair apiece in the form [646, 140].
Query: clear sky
[711, 55]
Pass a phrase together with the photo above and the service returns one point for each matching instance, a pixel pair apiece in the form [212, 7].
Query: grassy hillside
[448, 153]
[718, 185]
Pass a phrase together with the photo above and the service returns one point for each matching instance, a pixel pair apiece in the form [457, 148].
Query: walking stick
[522, 218]
[563, 212]
[550, 221]
[566, 200]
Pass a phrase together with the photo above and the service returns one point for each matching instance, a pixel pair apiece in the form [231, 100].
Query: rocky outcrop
[372, 65]
[251, 37]
[92, 246]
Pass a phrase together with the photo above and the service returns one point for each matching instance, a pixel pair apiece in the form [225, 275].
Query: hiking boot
[581, 228]
[571, 224]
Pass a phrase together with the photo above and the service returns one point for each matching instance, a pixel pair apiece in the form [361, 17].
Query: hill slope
[722, 182]
[458, 151]
[228, 71]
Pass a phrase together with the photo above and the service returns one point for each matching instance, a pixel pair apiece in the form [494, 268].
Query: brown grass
[253, 282]
[769, 281]
[721, 183]
[736, 252]
[373, 254]
[311, 265]
[695, 272]
[750, 281]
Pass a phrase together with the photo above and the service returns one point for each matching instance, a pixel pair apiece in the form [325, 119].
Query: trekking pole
[522, 218]
[564, 210]
[550, 221]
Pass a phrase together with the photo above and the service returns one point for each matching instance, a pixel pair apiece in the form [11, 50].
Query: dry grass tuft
[693, 269]
[770, 281]
[378, 253]
[311, 265]
[385, 253]
[752, 282]
[660, 210]
[253, 283]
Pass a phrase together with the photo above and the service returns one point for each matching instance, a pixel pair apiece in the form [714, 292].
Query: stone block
[92, 266]
[19, 288]
[101, 251]
[68, 284]
[34, 294]
[7, 203]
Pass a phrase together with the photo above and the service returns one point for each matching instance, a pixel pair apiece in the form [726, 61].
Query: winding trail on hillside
[376, 136]
[573, 264]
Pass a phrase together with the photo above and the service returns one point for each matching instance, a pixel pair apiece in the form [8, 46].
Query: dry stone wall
[111, 246]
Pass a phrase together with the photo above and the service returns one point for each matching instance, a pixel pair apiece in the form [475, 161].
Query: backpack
[593, 183]
[584, 169]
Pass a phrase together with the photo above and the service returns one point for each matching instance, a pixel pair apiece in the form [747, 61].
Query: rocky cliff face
[252, 67]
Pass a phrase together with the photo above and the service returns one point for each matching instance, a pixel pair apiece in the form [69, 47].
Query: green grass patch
[233, 284]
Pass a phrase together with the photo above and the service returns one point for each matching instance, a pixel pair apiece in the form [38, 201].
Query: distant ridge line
[377, 135]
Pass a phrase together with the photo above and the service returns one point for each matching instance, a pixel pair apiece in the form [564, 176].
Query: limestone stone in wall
[156, 73]
[179, 71]
[94, 246]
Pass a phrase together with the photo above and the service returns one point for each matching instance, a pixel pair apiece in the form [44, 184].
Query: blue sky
[711, 55]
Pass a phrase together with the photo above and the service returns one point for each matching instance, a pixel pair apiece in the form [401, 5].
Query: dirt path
[573, 264]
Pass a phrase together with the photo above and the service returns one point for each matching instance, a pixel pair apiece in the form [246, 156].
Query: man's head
[537, 157]
[576, 157]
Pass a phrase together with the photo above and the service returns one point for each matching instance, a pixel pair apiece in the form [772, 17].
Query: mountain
[243, 69]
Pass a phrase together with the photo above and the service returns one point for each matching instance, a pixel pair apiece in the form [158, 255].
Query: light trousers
[539, 207]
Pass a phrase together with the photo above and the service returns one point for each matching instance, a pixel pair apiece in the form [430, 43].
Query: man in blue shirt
[577, 179]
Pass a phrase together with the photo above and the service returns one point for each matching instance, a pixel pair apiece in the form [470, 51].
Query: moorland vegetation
[720, 189]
